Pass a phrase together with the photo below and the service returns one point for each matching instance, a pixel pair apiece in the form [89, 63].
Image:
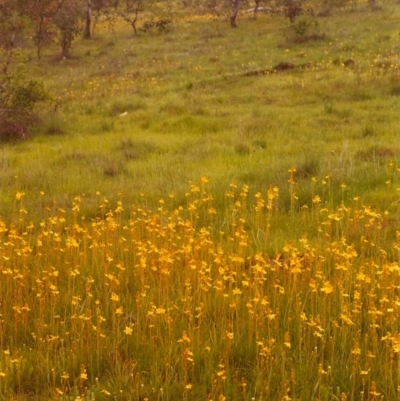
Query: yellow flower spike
[83, 375]
[321, 370]
[229, 336]
[316, 200]
[372, 391]
[114, 297]
[19, 195]
[128, 330]
[327, 288]
[184, 338]
[286, 341]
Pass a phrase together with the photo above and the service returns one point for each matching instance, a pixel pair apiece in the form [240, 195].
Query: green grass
[148, 114]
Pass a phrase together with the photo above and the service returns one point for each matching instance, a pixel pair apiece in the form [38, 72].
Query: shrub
[161, 25]
[293, 8]
[20, 101]
[305, 25]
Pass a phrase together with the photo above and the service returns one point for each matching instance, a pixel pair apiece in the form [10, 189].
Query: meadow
[193, 224]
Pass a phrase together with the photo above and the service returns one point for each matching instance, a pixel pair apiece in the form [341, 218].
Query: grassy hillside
[148, 114]
[210, 214]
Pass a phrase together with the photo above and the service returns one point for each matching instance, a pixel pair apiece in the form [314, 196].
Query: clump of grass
[74, 156]
[260, 143]
[298, 39]
[120, 106]
[341, 112]
[242, 149]
[53, 126]
[106, 126]
[368, 131]
[112, 169]
[394, 84]
[309, 168]
[377, 152]
[137, 149]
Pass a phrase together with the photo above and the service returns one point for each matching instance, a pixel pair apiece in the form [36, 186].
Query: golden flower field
[184, 302]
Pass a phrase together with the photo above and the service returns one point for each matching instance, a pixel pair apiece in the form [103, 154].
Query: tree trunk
[39, 33]
[64, 52]
[256, 9]
[88, 34]
[234, 14]
[65, 45]
[10, 46]
[10, 53]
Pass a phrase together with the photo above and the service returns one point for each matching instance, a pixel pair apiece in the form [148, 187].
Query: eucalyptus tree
[13, 25]
[131, 9]
[130, 12]
[68, 22]
[41, 13]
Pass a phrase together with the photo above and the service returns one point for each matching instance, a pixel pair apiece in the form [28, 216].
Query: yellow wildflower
[128, 330]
